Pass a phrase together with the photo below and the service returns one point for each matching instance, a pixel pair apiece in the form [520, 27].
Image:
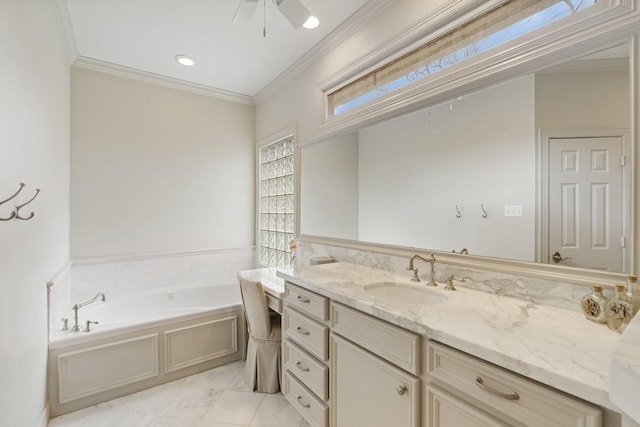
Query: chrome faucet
[432, 261]
[76, 307]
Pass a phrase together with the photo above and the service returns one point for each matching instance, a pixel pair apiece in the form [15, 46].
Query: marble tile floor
[215, 398]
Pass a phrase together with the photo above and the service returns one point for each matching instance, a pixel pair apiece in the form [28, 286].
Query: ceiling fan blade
[244, 11]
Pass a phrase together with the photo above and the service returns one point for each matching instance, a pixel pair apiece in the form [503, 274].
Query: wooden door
[586, 203]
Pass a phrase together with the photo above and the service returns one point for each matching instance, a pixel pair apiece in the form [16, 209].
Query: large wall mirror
[537, 168]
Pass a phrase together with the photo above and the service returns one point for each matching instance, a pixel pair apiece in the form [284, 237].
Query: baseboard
[43, 421]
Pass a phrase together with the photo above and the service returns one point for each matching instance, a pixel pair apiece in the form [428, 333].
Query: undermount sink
[404, 294]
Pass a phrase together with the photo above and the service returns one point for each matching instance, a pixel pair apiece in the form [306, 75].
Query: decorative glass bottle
[633, 292]
[619, 310]
[594, 305]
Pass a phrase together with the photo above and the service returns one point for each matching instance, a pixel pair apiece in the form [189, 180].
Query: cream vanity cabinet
[374, 368]
[305, 353]
[462, 390]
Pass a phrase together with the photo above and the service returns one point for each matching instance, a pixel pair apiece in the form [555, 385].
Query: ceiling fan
[293, 10]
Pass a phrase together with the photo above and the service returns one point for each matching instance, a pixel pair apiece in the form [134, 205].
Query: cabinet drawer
[314, 411]
[445, 410]
[308, 333]
[520, 401]
[274, 303]
[397, 345]
[312, 373]
[307, 301]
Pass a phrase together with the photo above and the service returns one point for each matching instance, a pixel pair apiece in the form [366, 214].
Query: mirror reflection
[530, 169]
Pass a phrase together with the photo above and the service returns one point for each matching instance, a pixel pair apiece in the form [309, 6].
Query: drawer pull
[304, 405]
[402, 389]
[302, 331]
[511, 396]
[303, 299]
[302, 368]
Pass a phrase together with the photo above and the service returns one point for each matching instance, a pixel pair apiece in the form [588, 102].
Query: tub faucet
[431, 260]
[76, 307]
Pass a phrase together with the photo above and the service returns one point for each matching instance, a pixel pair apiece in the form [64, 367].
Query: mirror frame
[611, 23]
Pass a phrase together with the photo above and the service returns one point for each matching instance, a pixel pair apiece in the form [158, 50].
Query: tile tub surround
[556, 294]
[555, 346]
[215, 398]
[84, 278]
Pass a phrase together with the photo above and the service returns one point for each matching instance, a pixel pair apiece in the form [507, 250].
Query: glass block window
[511, 20]
[277, 204]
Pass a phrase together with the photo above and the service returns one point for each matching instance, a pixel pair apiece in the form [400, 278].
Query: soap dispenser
[594, 305]
[619, 310]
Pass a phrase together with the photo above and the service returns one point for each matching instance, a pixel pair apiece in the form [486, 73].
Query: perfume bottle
[633, 293]
[619, 310]
[594, 305]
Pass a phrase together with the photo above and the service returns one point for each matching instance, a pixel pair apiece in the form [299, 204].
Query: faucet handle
[65, 324]
[450, 278]
[89, 322]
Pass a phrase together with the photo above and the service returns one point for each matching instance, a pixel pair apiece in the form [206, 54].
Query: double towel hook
[16, 212]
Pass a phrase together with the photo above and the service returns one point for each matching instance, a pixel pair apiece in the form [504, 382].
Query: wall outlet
[512, 210]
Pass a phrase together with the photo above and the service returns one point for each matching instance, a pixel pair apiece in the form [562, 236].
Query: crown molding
[345, 30]
[160, 80]
[61, 12]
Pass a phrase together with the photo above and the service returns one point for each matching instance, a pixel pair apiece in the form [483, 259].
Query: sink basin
[405, 294]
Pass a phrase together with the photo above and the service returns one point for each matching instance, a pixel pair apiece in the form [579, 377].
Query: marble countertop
[625, 371]
[554, 346]
[271, 283]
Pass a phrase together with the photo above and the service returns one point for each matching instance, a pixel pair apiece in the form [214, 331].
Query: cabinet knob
[402, 389]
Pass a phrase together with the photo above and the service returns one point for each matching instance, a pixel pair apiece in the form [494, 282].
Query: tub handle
[89, 322]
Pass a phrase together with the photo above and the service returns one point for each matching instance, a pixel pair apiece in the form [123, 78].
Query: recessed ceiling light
[311, 22]
[185, 60]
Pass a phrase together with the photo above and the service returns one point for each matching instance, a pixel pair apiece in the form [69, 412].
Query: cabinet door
[446, 410]
[368, 391]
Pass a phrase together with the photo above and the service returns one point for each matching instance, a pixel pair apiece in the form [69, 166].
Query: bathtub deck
[215, 398]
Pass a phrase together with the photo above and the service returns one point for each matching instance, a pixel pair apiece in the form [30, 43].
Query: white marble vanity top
[271, 283]
[625, 371]
[554, 346]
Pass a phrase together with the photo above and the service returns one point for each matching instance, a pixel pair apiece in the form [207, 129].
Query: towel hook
[25, 204]
[15, 212]
[484, 211]
[458, 213]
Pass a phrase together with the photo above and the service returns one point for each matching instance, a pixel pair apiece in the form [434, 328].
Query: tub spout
[76, 307]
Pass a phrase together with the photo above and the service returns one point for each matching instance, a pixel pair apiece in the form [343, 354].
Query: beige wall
[34, 149]
[155, 169]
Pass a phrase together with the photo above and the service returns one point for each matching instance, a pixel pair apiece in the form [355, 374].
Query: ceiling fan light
[294, 11]
[311, 22]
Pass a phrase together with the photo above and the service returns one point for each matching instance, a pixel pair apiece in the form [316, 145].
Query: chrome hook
[484, 211]
[15, 212]
[25, 204]
[458, 213]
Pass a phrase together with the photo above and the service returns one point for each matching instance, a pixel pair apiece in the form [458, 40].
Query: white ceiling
[146, 35]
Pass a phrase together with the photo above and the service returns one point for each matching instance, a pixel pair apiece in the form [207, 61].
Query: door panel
[586, 202]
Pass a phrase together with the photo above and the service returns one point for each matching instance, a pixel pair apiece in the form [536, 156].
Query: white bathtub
[142, 340]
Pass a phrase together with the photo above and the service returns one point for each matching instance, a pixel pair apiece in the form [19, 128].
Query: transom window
[277, 203]
[511, 20]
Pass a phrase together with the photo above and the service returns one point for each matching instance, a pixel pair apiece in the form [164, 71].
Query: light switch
[512, 210]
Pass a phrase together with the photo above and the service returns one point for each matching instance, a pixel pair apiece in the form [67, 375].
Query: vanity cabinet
[373, 372]
[305, 353]
[460, 387]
